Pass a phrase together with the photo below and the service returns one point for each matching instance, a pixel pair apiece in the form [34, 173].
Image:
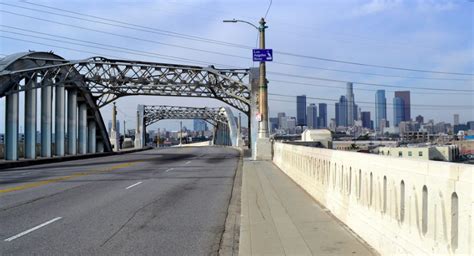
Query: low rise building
[447, 153]
[324, 136]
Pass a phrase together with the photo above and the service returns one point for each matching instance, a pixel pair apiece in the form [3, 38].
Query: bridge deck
[279, 218]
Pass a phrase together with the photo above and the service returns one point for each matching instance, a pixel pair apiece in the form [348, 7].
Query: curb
[22, 163]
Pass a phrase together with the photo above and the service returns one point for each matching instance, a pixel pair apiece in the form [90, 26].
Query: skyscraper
[280, 116]
[456, 119]
[312, 116]
[380, 108]
[405, 96]
[420, 119]
[341, 112]
[398, 111]
[323, 115]
[301, 110]
[350, 105]
[365, 117]
[199, 125]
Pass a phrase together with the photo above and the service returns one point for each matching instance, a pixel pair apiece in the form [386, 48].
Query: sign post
[262, 55]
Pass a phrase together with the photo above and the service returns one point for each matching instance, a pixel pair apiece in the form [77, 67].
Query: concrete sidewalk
[279, 218]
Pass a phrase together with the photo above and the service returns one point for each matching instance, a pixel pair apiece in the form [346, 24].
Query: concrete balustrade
[398, 206]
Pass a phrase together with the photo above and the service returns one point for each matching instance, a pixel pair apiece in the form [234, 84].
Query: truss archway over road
[225, 127]
[86, 85]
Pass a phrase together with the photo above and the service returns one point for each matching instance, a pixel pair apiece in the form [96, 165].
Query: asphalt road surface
[158, 202]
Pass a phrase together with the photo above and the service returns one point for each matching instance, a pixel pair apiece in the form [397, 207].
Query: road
[158, 202]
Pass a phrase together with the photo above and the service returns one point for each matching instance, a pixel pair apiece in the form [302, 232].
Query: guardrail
[398, 206]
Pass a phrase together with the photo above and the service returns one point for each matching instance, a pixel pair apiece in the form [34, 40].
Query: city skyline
[440, 44]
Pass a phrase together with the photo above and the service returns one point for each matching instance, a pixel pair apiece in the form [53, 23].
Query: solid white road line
[31, 229]
[170, 169]
[188, 162]
[136, 184]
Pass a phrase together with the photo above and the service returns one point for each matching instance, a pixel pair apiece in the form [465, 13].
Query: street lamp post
[263, 95]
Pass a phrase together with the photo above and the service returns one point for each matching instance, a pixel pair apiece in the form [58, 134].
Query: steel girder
[47, 69]
[155, 113]
[109, 79]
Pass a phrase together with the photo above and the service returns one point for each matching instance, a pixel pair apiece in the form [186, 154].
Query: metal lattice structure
[109, 79]
[155, 113]
[87, 85]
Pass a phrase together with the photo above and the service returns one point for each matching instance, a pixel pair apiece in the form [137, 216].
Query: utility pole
[124, 130]
[263, 92]
[180, 132]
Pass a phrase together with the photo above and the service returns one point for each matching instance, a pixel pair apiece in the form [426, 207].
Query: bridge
[222, 119]
[203, 200]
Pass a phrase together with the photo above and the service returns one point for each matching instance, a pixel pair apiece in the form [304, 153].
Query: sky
[433, 35]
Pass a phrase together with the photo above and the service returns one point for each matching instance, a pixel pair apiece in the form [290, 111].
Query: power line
[214, 52]
[268, 9]
[127, 25]
[371, 74]
[372, 65]
[126, 36]
[190, 37]
[365, 83]
[104, 46]
[356, 89]
[368, 102]
[151, 54]
[369, 106]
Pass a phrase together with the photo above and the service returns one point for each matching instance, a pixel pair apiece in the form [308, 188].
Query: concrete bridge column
[82, 128]
[30, 120]
[11, 127]
[138, 135]
[114, 140]
[46, 120]
[59, 121]
[100, 147]
[72, 122]
[91, 145]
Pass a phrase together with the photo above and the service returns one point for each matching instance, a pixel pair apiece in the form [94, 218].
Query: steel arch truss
[109, 79]
[155, 113]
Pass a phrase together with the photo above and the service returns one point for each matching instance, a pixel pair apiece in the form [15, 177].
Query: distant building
[301, 110]
[324, 136]
[460, 127]
[447, 153]
[351, 108]
[291, 124]
[279, 116]
[419, 119]
[273, 123]
[383, 124]
[380, 108]
[456, 119]
[199, 125]
[312, 116]
[415, 137]
[365, 117]
[398, 111]
[405, 96]
[341, 112]
[323, 115]
[117, 124]
[470, 124]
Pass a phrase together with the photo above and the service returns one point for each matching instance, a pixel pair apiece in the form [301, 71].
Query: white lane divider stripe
[188, 162]
[32, 229]
[170, 169]
[136, 184]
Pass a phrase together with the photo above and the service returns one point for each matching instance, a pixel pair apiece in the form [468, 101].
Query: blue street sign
[262, 55]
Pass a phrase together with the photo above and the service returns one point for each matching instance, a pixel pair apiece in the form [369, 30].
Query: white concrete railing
[398, 206]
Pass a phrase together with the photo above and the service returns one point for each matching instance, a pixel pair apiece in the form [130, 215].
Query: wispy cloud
[376, 6]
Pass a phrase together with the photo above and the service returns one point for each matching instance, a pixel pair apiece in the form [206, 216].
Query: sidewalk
[279, 218]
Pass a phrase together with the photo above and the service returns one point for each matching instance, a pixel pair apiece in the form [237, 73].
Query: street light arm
[243, 21]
